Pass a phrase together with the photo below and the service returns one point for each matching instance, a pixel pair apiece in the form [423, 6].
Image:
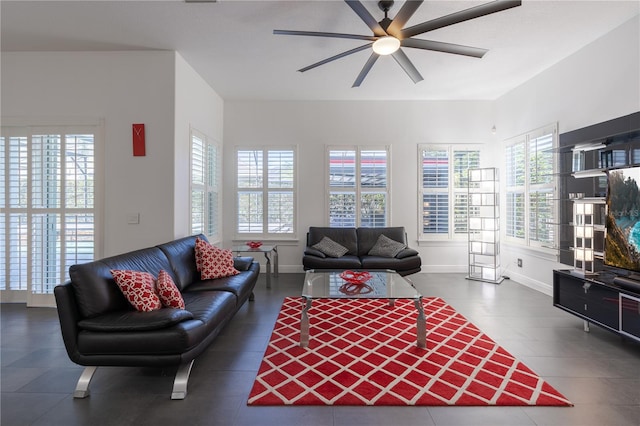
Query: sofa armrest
[314, 252]
[242, 263]
[69, 315]
[407, 252]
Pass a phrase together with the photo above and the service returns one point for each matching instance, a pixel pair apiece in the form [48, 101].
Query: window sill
[268, 241]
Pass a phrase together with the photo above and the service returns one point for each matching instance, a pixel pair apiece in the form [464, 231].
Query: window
[47, 206]
[205, 186]
[530, 185]
[444, 181]
[358, 190]
[266, 192]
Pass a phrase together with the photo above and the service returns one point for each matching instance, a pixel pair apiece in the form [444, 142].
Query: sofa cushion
[168, 292]
[346, 237]
[211, 307]
[94, 287]
[330, 247]
[138, 288]
[348, 261]
[95, 290]
[411, 263]
[236, 284]
[181, 254]
[386, 247]
[213, 262]
[368, 237]
[135, 320]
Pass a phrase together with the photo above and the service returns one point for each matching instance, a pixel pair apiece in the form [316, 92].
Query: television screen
[622, 243]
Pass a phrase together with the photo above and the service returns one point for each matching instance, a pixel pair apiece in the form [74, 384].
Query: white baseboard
[531, 283]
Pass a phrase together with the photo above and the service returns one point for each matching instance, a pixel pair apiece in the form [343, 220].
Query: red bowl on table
[355, 277]
[254, 244]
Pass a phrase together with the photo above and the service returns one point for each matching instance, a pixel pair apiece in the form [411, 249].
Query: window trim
[357, 188]
[450, 190]
[269, 236]
[529, 188]
[216, 188]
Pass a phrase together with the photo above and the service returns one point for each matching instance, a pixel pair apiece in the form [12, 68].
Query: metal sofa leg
[181, 380]
[82, 388]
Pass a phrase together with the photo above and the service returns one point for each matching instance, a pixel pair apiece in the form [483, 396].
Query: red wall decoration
[138, 140]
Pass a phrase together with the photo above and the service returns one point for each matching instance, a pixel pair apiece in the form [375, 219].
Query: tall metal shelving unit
[484, 225]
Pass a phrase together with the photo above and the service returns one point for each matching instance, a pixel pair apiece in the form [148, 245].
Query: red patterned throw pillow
[168, 291]
[214, 262]
[139, 289]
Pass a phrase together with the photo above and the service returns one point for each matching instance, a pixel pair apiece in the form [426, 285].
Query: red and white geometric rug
[363, 352]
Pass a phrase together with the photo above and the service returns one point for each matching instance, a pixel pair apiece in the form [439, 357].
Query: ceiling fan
[389, 35]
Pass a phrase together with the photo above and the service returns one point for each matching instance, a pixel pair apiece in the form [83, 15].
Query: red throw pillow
[168, 291]
[201, 245]
[139, 289]
[214, 262]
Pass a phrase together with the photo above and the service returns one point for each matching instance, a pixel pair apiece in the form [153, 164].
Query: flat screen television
[622, 242]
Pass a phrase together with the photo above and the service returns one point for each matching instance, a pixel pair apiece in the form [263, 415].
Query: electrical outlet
[519, 263]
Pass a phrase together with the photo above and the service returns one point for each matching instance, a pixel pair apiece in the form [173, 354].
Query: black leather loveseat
[101, 328]
[360, 252]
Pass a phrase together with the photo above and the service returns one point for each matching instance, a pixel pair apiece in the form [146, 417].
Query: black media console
[600, 299]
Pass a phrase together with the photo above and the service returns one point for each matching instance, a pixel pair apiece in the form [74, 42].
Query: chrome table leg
[421, 324]
[304, 323]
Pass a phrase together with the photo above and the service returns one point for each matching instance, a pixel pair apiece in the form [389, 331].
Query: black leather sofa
[359, 242]
[101, 328]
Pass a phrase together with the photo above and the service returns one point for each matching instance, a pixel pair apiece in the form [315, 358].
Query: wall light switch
[133, 218]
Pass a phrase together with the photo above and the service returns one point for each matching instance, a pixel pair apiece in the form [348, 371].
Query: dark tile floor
[598, 371]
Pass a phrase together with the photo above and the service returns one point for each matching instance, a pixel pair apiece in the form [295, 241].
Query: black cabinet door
[586, 298]
[602, 306]
[630, 315]
[569, 293]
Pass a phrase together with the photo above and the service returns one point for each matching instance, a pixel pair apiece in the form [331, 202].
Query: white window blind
[266, 191]
[541, 189]
[515, 190]
[444, 180]
[530, 188]
[205, 186]
[358, 192]
[47, 205]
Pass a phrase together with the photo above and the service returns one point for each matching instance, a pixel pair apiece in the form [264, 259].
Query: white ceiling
[231, 43]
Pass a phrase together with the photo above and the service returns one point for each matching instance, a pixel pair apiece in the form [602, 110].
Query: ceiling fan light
[386, 45]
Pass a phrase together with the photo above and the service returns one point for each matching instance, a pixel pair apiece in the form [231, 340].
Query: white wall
[199, 107]
[598, 83]
[313, 125]
[120, 88]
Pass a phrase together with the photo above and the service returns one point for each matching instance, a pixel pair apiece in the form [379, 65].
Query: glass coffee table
[381, 285]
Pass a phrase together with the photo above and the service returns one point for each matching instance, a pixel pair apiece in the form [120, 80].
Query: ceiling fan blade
[403, 60]
[463, 15]
[323, 34]
[439, 46]
[368, 19]
[404, 14]
[365, 70]
[338, 56]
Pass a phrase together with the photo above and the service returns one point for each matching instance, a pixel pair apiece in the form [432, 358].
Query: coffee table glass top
[381, 285]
